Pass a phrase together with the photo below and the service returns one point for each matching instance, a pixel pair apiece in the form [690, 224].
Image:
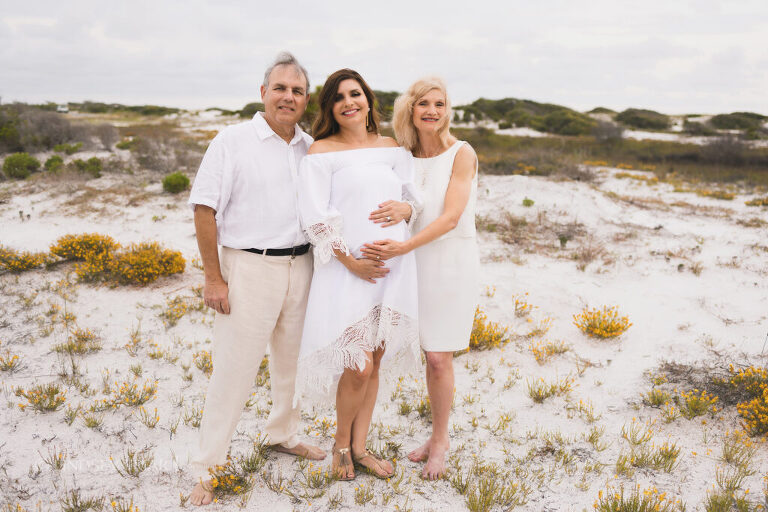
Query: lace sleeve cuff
[325, 237]
[415, 211]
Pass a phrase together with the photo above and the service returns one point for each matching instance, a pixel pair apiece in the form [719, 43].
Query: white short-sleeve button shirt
[249, 176]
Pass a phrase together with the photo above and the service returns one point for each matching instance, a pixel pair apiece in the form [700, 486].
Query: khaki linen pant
[268, 299]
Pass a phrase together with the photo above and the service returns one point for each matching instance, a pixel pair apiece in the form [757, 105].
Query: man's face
[285, 98]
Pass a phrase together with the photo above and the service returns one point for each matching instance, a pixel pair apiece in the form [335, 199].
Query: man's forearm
[205, 229]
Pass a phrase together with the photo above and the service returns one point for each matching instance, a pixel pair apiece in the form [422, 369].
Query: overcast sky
[673, 56]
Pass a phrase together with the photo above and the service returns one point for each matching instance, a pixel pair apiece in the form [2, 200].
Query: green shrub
[528, 202]
[567, 122]
[92, 166]
[126, 143]
[738, 121]
[602, 110]
[69, 149]
[9, 134]
[696, 128]
[175, 183]
[250, 110]
[20, 165]
[54, 163]
[643, 119]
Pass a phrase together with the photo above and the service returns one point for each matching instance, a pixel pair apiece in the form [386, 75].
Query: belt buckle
[293, 252]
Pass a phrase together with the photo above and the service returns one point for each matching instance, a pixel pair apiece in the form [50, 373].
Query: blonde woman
[445, 246]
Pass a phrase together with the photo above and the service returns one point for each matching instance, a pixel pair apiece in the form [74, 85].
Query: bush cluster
[752, 384]
[30, 128]
[250, 110]
[126, 144]
[695, 128]
[15, 261]
[69, 149]
[92, 166]
[602, 322]
[20, 165]
[725, 159]
[738, 121]
[758, 201]
[54, 163]
[544, 117]
[643, 119]
[486, 334]
[43, 397]
[175, 182]
[94, 107]
[566, 122]
[143, 263]
[81, 247]
[102, 259]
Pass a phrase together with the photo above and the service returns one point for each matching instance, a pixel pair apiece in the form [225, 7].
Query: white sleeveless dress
[448, 268]
[347, 316]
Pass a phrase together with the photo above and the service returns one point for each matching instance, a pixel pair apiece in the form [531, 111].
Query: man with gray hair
[244, 200]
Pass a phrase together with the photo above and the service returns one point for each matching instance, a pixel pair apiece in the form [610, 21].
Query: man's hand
[216, 296]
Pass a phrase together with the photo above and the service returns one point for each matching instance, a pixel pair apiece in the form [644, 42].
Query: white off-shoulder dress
[448, 267]
[347, 316]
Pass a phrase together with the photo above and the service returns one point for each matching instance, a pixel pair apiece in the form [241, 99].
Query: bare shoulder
[387, 142]
[321, 146]
[466, 156]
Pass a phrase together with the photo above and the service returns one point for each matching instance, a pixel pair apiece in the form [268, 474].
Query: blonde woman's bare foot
[308, 451]
[202, 494]
[421, 453]
[435, 466]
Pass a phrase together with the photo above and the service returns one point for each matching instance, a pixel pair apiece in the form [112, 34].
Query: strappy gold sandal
[368, 455]
[345, 460]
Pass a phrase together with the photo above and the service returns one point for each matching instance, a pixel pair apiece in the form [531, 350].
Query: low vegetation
[20, 165]
[175, 183]
[603, 323]
[643, 119]
[100, 259]
[723, 160]
[487, 335]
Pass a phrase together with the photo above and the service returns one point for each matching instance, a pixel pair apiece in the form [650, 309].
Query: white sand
[677, 316]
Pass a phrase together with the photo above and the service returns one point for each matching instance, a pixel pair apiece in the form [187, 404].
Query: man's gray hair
[286, 59]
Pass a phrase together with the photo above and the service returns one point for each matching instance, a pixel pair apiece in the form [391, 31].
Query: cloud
[675, 56]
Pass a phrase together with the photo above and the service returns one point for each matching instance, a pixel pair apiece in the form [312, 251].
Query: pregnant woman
[445, 246]
[358, 308]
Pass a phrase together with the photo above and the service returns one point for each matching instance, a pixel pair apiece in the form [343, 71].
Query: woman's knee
[439, 362]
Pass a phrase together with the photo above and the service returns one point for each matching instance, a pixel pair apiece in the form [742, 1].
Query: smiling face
[350, 106]
[285, 96]
[429, 111]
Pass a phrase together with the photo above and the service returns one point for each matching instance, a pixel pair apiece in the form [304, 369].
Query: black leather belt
[290, 251]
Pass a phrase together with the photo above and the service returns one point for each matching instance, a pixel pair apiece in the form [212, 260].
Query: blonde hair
[402, 119]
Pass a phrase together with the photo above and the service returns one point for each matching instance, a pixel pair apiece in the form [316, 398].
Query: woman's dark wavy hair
[325, 125]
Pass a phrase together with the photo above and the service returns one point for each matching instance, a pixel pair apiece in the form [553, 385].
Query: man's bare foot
[202, 494]
[435, 466]
[421, 453]
[308, 451]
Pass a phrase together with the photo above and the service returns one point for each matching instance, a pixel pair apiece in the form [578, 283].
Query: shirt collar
[263, 130]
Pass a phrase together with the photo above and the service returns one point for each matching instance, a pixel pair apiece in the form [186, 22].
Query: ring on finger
[389, 219]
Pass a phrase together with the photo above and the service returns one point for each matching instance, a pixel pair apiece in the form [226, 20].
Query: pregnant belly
[369, 232]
